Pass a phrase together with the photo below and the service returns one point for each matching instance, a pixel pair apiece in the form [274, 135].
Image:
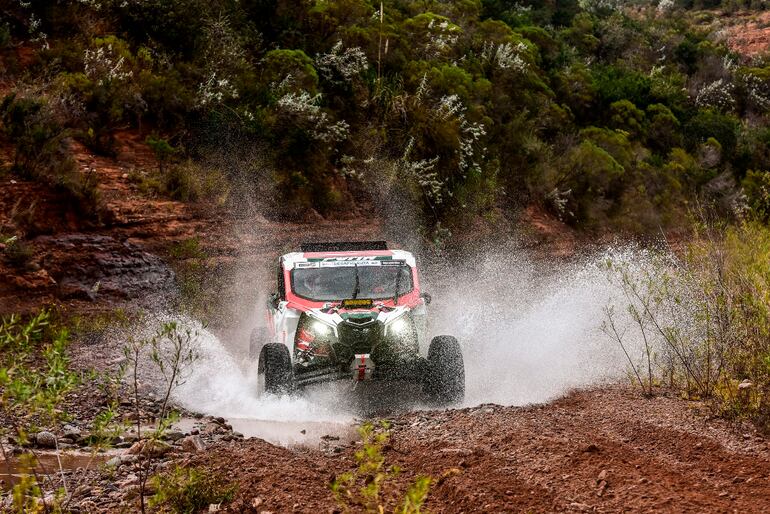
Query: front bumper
[412, 370]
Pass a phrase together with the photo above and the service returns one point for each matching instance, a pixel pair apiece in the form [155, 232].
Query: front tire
[445, 382]
[274, 370]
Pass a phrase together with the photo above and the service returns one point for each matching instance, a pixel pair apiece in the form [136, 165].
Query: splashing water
[220, 385]
[529, 334]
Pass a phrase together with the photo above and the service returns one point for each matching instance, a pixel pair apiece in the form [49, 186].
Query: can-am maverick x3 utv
[352, 311]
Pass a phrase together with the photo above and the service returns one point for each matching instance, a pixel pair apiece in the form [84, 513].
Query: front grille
[359, 335]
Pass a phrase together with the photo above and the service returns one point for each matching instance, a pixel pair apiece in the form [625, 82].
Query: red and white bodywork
[287, 305]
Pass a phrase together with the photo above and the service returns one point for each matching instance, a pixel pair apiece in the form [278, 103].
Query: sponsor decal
[364, 258]
[357, 303]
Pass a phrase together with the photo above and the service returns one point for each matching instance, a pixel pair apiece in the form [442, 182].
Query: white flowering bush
[104, 65]
[757, 92]
[505, 56]
[215, 90]
[436, 36]
[600, 6]
[666, 6]
[470, 133]
[305, 110]
[424, 172]
[718, 94]
[342, 65]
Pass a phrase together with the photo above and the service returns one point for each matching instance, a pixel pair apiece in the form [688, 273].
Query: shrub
[624, 115]
[362, 489]
[161, 148]
[293, 68]
[17, 253]
[756, 185]
[663, 130]
[706, 124]
[38, 135]
[42, 153]
[34, 380]
[703, 319]
[613, 84]
[189, 490]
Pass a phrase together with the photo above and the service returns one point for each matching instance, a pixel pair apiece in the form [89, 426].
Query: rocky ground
[749, 34]
[601, 450]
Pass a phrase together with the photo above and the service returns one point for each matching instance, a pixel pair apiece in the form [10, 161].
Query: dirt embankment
[605, 450]
[750, 34]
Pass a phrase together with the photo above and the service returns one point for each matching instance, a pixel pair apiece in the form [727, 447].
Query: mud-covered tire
[445, 380]
[274, 370]
[259, 336]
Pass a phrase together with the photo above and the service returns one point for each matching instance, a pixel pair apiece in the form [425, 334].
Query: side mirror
[426, 298]
[273, 300]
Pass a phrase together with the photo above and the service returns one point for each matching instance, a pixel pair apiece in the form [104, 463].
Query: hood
[335, 314]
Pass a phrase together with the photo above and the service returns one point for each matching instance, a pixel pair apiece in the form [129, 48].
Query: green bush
[490, 98]
[613, 84]
[363, 490]
[17, 253]
[706, 124]
[756, 185]
[704, 319]
[187, 490]
[42, 152]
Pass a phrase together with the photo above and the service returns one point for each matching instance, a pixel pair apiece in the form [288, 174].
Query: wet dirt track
[605, 450]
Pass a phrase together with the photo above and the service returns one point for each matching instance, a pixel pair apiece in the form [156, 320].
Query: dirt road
[605, 450]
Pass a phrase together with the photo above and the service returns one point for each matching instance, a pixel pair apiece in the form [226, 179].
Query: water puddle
[303, 434]
[48, 463]
[290, 434]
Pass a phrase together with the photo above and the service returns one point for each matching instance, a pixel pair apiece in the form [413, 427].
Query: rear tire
[274, 370]
[445, 381]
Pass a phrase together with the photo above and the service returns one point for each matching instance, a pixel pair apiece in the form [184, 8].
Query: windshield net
[340, 283]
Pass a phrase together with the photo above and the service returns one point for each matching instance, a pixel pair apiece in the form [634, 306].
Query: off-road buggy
[352, 311]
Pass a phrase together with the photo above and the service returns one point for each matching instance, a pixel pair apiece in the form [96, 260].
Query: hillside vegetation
[608, 114]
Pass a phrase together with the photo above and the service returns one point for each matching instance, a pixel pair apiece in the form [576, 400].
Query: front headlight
[320, 329]
[400, 327]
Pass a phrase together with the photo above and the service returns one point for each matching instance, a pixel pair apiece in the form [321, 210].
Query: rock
[88, 506]
[193, 444]
[113, 462]
[602, 488]
[45, 439]
[602, 475]
[214, 507]
[591, 448]
[130, 481]
[746, 384]
[71, 432]
[149, 448]
[82, 490]
[256, 502]
[173, 435]
[220, 420]
[580, 507]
